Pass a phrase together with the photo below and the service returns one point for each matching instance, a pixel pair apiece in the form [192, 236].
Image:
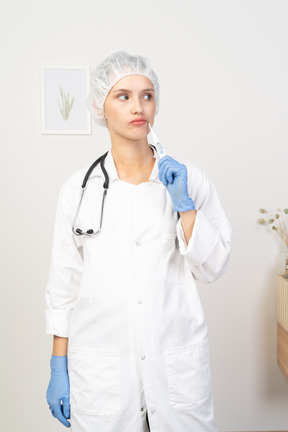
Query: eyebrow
[128, 91]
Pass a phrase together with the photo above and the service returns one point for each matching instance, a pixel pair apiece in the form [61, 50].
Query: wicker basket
[283, 302]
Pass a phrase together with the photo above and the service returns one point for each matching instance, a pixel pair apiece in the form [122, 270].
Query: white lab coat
[128, 302]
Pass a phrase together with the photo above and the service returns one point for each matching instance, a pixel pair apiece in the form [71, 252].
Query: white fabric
[128, 302]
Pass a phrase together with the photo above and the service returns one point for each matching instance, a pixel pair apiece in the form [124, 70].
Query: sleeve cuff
[57, 322]
[203, 239]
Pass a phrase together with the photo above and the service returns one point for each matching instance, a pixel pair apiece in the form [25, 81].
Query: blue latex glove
[173, 175]
[59, 390]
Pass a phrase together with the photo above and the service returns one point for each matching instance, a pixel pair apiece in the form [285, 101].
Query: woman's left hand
[173, 175]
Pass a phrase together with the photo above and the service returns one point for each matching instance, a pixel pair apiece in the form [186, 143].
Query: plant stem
[279, 230]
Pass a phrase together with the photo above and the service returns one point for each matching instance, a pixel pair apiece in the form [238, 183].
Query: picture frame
[63, 100]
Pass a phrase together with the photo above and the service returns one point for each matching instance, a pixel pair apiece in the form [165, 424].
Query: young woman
[130, 347]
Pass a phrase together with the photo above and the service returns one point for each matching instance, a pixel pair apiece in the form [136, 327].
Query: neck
[131, 155]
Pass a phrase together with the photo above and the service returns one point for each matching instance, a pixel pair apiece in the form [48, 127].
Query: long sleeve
[66, 267]
[208, 249]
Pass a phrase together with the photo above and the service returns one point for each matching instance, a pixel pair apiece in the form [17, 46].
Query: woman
[126, 298]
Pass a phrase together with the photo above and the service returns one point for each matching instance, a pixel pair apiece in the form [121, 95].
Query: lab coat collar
[112, 171]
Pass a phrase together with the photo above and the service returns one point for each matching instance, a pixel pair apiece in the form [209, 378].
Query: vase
[285, 259]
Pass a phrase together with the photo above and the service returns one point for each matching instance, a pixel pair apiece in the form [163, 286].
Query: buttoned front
[128, 302]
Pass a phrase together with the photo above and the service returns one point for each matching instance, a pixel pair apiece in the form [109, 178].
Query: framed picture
[63, 100]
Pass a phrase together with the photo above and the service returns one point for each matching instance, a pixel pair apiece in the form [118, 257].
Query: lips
[138, 121]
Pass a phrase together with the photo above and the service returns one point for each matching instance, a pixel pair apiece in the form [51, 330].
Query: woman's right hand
[59, 390]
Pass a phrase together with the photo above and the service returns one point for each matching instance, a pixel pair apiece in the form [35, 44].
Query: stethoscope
[91, 232]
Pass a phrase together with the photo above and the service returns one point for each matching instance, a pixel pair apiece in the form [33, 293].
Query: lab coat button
[142, 408]
[138, 243]
[143, 357]
[139, 301]
[153, 412]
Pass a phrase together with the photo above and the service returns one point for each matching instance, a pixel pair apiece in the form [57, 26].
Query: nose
[136, 106]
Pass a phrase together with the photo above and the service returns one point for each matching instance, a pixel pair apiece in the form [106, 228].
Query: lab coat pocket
[173, 265]
[94, 381]
[188, 374]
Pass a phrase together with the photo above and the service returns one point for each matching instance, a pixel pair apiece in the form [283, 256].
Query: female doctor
[130, 347]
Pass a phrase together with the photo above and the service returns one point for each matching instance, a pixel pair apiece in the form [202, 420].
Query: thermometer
[158, 146]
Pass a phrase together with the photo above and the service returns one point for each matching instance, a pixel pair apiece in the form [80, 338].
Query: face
[130, 99]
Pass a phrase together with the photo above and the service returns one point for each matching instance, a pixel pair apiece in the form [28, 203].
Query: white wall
[223, 69]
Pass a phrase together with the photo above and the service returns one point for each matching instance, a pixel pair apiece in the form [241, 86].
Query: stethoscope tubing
[91, 232]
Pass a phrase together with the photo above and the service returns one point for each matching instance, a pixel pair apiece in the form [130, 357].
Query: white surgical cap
[117, 66]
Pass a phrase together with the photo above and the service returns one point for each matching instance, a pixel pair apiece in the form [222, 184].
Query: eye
[148, 96]
[123, 97]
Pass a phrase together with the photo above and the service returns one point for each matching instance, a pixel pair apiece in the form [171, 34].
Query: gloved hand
[59, 390]
[174, 176]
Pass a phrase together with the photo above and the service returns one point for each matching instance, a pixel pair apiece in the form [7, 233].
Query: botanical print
[63, 100]
[66, 105]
